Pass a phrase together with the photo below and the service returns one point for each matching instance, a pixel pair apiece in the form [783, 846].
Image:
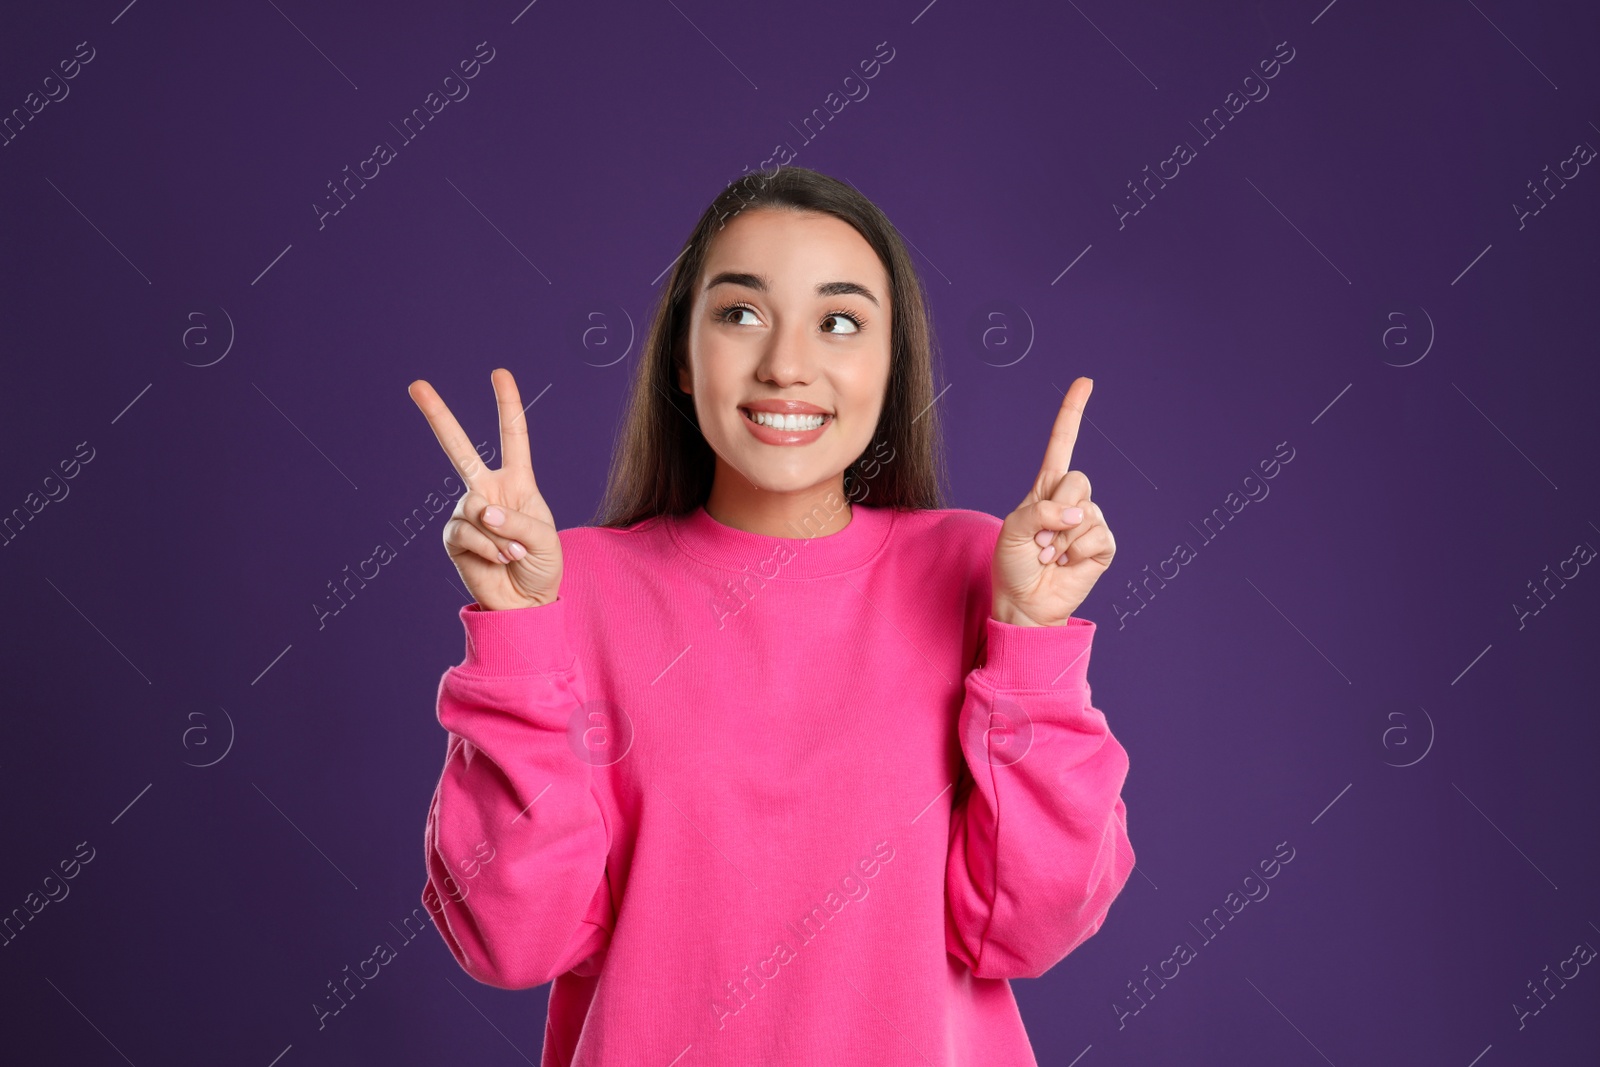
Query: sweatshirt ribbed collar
[808, 554]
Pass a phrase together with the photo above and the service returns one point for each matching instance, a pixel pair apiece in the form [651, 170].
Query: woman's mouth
[775, 429]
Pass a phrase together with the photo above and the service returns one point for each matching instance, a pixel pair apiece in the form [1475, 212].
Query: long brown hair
[662, 464]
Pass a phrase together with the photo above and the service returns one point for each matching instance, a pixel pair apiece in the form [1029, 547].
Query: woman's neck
[817, 511]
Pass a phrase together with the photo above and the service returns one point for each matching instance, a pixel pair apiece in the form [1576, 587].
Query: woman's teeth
[785, 422]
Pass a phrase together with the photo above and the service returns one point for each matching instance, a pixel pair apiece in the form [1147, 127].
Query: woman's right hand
[501, 537]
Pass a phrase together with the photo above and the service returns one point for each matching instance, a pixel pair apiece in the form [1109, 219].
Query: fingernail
[1048, 554]
[1071, 515]
[493, 515]
[516, 549]
[502, 556]
[1043, 537]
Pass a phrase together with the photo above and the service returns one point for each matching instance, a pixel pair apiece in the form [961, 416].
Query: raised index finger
[513, 421]
[1058, 453]
[451, 437]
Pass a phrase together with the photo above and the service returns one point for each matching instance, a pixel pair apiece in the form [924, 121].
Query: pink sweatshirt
[768, 800]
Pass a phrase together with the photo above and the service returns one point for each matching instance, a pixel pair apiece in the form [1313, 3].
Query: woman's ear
[683, 380]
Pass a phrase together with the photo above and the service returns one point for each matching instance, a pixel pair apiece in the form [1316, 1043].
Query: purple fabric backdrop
[1379, 661]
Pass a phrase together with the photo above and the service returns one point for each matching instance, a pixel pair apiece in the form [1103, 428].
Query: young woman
[780, 762]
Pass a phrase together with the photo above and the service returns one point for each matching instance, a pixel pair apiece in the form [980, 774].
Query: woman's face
[789, 307]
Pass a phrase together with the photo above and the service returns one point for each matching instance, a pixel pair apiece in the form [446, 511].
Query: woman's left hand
[1046, 561]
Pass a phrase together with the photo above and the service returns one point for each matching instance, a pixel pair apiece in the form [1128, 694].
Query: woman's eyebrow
[759, 283]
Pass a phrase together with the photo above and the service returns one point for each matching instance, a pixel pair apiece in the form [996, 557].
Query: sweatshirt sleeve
[516, 841]
[1039, 841]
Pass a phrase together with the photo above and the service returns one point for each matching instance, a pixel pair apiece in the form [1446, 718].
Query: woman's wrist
[1009, 615]
[482, 606]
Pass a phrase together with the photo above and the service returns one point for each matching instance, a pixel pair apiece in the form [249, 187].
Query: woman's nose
[789, 358]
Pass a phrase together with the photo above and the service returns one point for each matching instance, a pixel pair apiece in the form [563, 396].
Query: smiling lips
[785, 422]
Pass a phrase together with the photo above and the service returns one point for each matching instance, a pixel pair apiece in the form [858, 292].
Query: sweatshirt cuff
[530, 640]
[1038, 657]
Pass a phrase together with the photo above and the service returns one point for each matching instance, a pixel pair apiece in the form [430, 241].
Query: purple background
[1357, 619]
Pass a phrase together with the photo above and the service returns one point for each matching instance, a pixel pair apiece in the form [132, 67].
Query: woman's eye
[727, 315]
[850, 324]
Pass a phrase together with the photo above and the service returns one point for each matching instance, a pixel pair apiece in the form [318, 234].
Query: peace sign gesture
[1056, 544]
[501, 537]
